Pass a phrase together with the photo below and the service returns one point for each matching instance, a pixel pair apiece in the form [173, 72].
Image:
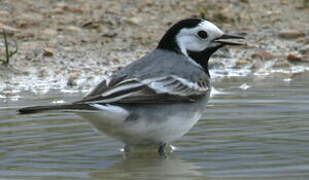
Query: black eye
[202, 34]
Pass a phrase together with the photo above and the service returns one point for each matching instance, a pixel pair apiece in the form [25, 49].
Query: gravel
[72, 45]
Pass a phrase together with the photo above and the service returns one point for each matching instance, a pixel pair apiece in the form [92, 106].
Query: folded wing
[165, 89]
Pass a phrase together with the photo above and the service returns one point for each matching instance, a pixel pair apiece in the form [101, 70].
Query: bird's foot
[162, 151]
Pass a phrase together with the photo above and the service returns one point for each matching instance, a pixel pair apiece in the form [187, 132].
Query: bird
[158, 98]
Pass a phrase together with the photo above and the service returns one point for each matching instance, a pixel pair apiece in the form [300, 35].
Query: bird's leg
[126, 149]
[162, 150]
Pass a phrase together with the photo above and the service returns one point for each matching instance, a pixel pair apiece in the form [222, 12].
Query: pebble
[294, 58]
[48, 52]
[57, 11]
[72, 28]
[4, 13]
[62, 5]
[66, 7]
[109, 34]
[134, 20]
[49, 32]
[263, 55]
[287, 80]
[72, 80]
[291, 34]
[8, 28]
[92, 25]
[244, 86]
[281, 65]
[304, 40]
[241, 63]
[77, 10]
[43, 74]
[28, 20]
[244, 1]
[24, 35]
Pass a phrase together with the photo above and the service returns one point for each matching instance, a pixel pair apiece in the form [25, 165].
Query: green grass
[8, 53]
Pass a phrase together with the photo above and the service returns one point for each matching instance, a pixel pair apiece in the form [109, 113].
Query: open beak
[225, 39]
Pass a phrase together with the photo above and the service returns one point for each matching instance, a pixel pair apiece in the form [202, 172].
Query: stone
[63, 5]
[48, 52]
[92, 25]
[24, 35]
[57, 11]
[294, 58]
[281, 65]
[109, 34]
[263, 55]
[49, 32]
[134, 20]
[291, 34]
[43, 74]
[72, 80]
[72, 28]
[304, 40]
[77, 10]
[28, 20]
[4, 13]
[244, 86]
[241, 63]
[244, 1]
[8, 28]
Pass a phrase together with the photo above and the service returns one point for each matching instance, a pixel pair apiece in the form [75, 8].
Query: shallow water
[254, 128]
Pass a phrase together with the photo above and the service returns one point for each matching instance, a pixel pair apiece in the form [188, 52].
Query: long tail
[62, 107]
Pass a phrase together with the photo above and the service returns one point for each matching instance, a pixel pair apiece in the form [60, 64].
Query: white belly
[152, 126]
[173, 128]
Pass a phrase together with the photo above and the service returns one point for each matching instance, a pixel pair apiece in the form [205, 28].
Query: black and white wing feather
[165, 89]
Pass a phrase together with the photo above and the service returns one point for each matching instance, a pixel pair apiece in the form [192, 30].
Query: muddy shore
[72, 45]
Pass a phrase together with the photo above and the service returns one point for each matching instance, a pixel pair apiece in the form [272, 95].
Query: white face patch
[188, 39]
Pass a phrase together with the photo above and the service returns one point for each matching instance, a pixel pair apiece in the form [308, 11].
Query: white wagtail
[159, 97]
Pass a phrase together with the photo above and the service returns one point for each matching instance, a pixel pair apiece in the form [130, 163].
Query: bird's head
[197, 39]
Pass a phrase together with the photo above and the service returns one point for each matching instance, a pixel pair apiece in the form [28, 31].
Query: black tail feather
[38, 109]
